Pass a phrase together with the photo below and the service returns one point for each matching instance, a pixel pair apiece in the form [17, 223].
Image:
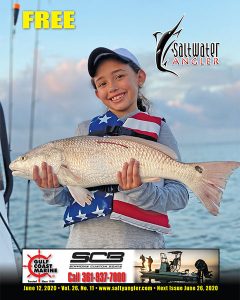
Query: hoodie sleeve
[56, 196]
[163, 195]
[82, 128]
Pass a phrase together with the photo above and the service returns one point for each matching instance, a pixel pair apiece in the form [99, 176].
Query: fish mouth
[19, 173]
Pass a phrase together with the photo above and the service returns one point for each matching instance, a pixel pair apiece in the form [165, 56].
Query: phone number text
[97, 277]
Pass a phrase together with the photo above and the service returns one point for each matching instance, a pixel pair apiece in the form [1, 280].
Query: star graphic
[69, 219]
[99, 212]
[80, 215]
[104, 119]
[107, 195]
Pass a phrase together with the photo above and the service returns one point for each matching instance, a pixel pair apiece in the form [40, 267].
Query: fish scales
[97, 160]
[88, 161]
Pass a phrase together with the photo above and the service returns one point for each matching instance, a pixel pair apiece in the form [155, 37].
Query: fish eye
[199, 169]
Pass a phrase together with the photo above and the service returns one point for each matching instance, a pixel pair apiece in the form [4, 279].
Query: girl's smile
[117, 98]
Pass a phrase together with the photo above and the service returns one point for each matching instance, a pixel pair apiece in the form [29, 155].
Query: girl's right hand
[48, 180]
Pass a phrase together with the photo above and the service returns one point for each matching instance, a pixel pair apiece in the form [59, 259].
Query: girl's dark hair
[143, 103]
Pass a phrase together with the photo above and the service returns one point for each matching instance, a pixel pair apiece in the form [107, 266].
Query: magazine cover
[119, 157]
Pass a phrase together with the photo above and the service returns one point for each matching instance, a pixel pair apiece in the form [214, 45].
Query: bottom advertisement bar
[111, 266]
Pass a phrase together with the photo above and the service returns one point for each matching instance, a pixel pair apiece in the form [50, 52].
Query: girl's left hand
[129, 178]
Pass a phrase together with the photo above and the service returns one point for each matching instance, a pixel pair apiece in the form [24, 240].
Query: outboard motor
[202, 268]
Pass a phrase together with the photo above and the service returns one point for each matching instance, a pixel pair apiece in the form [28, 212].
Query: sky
[201, 104]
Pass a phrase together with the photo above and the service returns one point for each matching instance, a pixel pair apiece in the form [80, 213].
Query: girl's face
[117, 86]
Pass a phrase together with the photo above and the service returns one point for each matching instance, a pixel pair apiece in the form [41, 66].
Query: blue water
[192, 227]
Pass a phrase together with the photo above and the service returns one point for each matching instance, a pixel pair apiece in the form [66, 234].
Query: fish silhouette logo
[163, 46]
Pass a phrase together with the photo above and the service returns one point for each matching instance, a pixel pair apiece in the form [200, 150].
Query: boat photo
[169, 271]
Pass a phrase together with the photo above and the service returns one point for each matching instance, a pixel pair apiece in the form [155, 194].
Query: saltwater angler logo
[173, 53]
[39, 266]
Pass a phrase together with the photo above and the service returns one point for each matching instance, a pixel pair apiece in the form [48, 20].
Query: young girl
[132, 214]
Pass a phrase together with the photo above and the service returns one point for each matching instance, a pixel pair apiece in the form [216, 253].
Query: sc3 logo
[97, 257]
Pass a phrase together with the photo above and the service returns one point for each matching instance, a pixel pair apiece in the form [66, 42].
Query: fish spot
[199, 169]
[101, 142]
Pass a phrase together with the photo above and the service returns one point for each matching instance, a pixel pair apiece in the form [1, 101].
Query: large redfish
[87, 161]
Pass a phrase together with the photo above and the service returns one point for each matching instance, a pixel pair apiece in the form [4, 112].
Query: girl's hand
[48, 179]
[129, 178]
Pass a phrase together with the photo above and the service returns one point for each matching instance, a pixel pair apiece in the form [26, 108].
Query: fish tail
[209, 186]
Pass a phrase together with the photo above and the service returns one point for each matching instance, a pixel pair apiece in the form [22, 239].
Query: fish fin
[81, 195]
[69, 177]
[210, 186]
[160, 147]
[151, 179]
